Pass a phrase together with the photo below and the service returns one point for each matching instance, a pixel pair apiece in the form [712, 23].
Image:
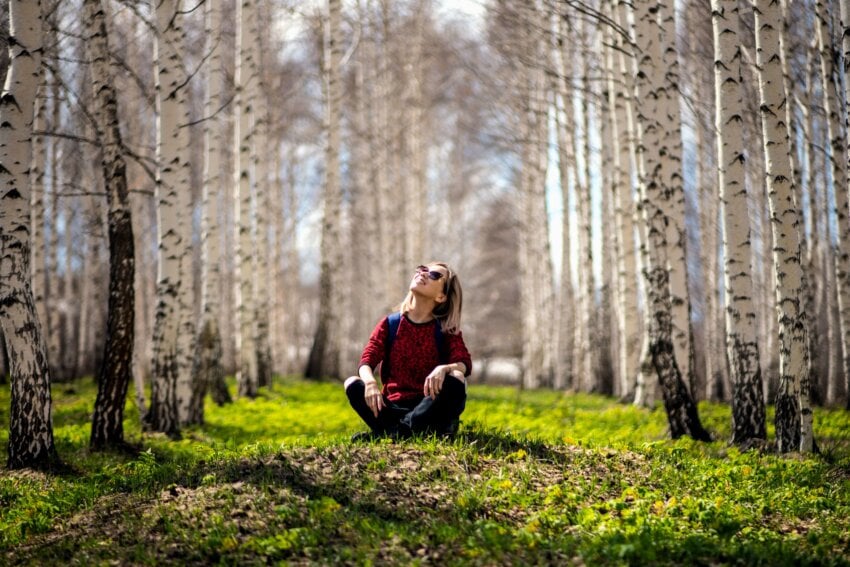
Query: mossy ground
[533, 478]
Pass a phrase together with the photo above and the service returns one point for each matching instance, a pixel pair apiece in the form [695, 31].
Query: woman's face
[429, 281]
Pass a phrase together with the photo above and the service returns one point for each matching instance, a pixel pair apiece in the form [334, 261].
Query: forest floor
[532, 478]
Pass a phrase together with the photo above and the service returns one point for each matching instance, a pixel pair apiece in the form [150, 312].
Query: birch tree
[838, 157]
[793, 412]
[652, 143]
[324, 355]
[163, 414]
[622, 125]
[115, 371]
[845, 46]
[748, 413]
[671, 170]
[245, 83]
[31, 442]
[207, 369]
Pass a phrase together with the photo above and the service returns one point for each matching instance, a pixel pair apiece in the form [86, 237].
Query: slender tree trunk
[38, 241]
[681, 410]
[620, 88]
[748, 413]
[793, 413]
[838, 157]
[564, 363]
[260, 157]
[245, 80]
[163, 415]
[31, 426]
[207, 369]
[115, 372]
[324, 356]
[845, 47]
[671, 168]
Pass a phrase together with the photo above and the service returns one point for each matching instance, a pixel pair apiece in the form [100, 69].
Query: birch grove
[625, 221]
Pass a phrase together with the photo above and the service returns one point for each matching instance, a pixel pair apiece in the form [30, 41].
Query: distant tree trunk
[207, 370]
[38, 244]
[564, 361]
[164, 415]
[54, 327]
[588, 376]
[115, 372]
[845, 45]
[793, 412]
[748, 413]
[671, 169]
[245, 80]
[260, 158]
[623, 135]
[324, 356]
[838, 160]
[31, 427]
[681, 410]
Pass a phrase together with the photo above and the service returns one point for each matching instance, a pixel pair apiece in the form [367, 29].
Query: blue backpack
[394, 321]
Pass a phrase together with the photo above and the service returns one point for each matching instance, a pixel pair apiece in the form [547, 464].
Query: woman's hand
[434, 381]
[373, 396]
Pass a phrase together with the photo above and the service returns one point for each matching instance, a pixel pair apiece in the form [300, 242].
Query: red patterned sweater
[414, 355]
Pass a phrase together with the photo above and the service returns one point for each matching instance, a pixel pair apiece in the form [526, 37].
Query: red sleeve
[374, 351]
[458, 352]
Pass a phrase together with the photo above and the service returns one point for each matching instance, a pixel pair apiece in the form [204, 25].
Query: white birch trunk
[838, 161]
[620, 88]
[845, 47]
[38, 244]
[564, 362]
[793, 412]
[748, 412]
[324, 356]
[671, 167]
[163, 415]
[260, 157]
[682, 414]
[207, 369]
[186, 294]
[245, 79]
[116, 369]
[31, 426]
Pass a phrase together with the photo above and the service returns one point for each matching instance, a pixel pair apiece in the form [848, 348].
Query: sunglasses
[433, 274]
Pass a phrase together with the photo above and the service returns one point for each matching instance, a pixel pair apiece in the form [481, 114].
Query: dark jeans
[421, 415]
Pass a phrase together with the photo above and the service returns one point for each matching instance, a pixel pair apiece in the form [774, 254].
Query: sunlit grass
[534, 476]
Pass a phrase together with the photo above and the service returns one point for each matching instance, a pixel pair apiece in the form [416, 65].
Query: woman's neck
[421, 309]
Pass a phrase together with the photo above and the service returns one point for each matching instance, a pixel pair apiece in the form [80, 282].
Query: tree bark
[324, 356]
[115, 372]
[748, 413]
[845, 47]
[207, 369]
[31, 442]
[793, 413]
[245, 80]
[164, 414]
[838, 158]
[682, 414]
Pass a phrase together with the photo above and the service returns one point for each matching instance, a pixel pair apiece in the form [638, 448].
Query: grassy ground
[533, 478]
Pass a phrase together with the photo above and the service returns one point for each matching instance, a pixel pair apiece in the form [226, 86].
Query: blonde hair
[447, 312]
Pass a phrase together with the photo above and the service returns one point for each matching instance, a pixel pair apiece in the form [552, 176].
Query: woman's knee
[354, 382]
[455, 384]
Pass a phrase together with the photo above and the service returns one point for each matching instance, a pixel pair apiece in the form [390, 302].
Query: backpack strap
[394, 320]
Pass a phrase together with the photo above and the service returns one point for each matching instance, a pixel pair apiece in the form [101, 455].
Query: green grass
[533, 478]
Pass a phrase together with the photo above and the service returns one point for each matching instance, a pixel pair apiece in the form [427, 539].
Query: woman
[424, 362]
